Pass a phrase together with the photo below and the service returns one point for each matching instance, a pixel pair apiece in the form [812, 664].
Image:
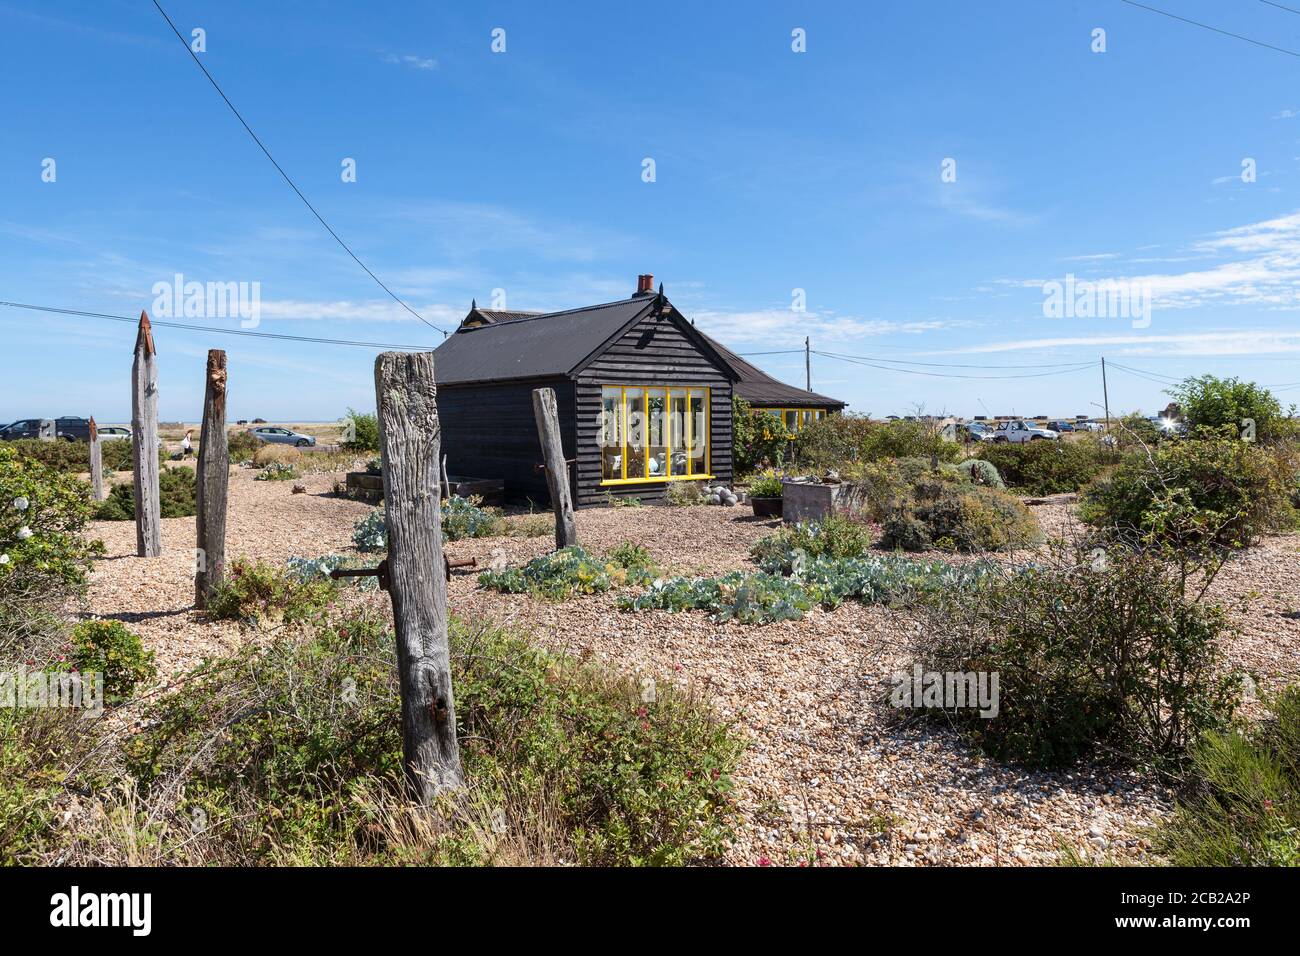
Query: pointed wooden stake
[144, 442]
[96, 463]
[214, 480]
[557, 469]
[409, 441]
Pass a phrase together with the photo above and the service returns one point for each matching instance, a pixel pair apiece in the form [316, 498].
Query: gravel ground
[830, 774]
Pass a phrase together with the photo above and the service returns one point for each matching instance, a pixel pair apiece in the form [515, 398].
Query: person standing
[187, 446]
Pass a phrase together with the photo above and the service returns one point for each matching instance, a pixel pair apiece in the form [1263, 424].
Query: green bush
[955, 517]
[845, 441]
[569, 571]
[1093, 658]
[766, 484]
[108, 648]
[260, 591]
[1047, 467]
[758, 440]
[42, 514]
[836, 536]
[976, 471]
[578, 765]
[242, 446]
[64, 457]
[177, 489]
[1212, 403]
[1240, 805]
[1190, 496]
[365, 431]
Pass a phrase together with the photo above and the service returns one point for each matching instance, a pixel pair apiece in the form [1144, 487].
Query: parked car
[1060, 427]
[69, 428]
[975, 431]
[1018, 431]
[281, 436]
[23, 428]
[113, 432]
[1087, 426]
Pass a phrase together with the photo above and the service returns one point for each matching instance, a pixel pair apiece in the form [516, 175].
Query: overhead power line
[1281, 7]
[877, 358]
[912, 371]
[207, 328]
[1206, 26]
[292, 185]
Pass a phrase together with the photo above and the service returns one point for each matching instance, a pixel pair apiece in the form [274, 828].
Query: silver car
[281, 436]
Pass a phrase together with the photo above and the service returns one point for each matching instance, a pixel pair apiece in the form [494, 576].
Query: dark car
[68, 428]
[23, 428]
[71, 428]
[1061, 426]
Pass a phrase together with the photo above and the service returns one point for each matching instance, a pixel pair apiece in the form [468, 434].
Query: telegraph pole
[1105, 394]
[807, 363]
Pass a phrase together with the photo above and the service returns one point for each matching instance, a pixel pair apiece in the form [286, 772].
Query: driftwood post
[144, 442]
[96, 462]
[409, 442]
[214, 479]
[557, 469]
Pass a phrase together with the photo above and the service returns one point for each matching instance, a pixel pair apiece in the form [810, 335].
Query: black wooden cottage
[644, 398]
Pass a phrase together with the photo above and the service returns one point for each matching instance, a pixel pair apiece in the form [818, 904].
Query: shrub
[757, 439]
[1194, 495]
[464, 518]
[1241, 805]
[258, 591]
[243, 446]
[63, 457]
[177, 489]
[834, 441]
[109, 649]
[370, 533]
[1211, 403]
[569, 571]
[967, 518]
[318, 569]
[364, 429]
[686, 493]
[977, 472]
[1046, 467]
[268, 454]
[1136, 431]
[1092, 658]
[836, 536]
[42, 514]
[842, 441]
[564, 762]
[277, 471]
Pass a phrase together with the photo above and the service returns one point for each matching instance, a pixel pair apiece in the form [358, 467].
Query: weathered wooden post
[557, 469]
[409, 442]
[214, 480]
[96, 463]
[144, 442]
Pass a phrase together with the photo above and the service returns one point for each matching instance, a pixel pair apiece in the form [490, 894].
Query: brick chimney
[644, 285]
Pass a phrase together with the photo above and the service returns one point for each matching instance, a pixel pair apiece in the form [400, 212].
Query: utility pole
[807, 363]
[1105, 393]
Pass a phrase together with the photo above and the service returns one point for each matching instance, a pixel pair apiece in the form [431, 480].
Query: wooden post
[214, 479]
[557, 469]
[446, 479]
[96, 463]
[144, 442]
[409, 442]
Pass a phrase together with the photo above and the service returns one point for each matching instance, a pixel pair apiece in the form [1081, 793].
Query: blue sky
[774, 171]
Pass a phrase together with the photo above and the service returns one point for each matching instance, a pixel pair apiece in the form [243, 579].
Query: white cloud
[781, 328]
[414, 62]
[1232, 342]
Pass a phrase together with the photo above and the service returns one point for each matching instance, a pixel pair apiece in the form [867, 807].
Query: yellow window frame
[646, 478]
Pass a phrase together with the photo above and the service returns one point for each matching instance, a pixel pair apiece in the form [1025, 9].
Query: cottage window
[656, 433]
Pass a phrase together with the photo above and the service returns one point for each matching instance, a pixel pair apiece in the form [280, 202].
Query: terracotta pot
[767, 507]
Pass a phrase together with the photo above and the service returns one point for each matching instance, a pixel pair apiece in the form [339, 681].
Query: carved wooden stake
[557, 469]
[409, 441]
[214, 479]
[96, 463]
[144, 442]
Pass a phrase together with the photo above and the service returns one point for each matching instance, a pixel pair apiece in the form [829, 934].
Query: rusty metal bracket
[541, 466]
[380, 572]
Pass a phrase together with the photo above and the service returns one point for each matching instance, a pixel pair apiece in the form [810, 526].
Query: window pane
[677, 430]
[635, 433]
[699, 436]
[611, 433]
[657, 423]
[791, 421]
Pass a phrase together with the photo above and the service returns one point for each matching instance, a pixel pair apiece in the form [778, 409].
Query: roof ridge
[529, 317]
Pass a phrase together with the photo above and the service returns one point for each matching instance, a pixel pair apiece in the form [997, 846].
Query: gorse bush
[177, 489]
[258, 591]
[42, 514]
[1240, 805]
[1214, 493]
[836, 536]
[293, 753]
[763, 597]
[108, 648]
[1047, 467]
[958, 517]
[569, 571]
[1095, 658]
